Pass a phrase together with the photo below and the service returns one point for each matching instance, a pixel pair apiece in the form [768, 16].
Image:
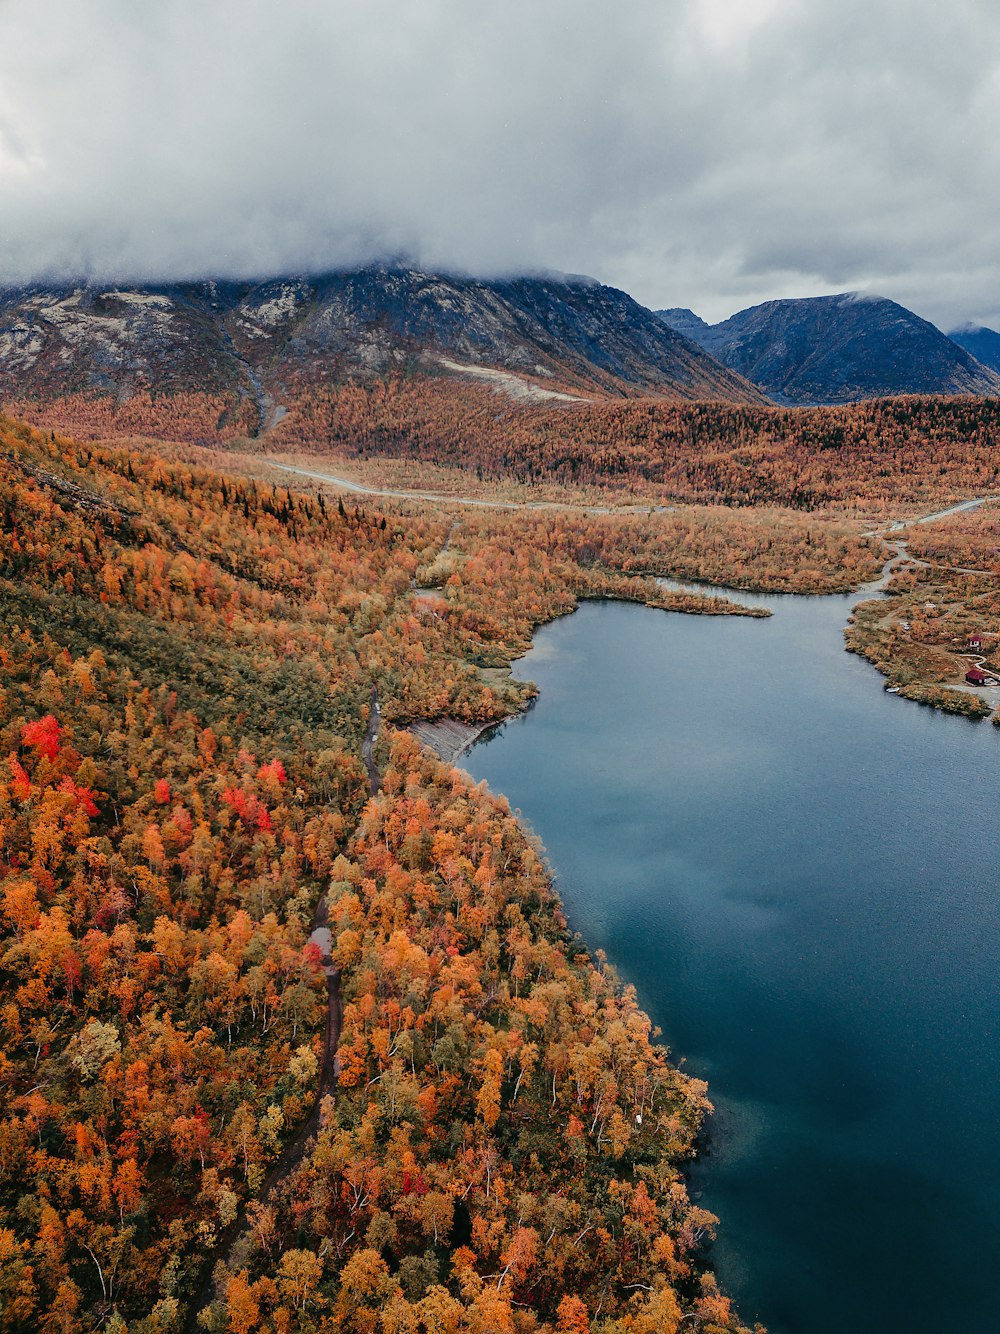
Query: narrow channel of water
[800, 875]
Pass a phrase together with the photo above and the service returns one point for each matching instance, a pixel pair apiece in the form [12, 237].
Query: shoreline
[735, 1130]
[450, 738]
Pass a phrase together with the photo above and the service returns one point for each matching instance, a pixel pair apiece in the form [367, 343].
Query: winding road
[359, 488]
[990, 694]
[293, 1152]
[901, 553]
[940, 514]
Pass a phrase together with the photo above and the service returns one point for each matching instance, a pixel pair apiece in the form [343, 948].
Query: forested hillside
[187, 664]
[871, 457]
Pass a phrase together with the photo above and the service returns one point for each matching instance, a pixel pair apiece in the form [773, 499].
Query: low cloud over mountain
[708, 153]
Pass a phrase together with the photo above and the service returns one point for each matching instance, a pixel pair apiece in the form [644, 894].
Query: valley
[499, 668]
[298, 1033]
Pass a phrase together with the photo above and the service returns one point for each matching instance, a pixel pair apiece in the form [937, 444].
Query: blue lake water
[800, 874]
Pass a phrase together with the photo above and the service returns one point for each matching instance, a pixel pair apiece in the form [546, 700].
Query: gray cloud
[710, 153]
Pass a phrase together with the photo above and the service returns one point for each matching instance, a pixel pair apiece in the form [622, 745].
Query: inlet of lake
[799, 873]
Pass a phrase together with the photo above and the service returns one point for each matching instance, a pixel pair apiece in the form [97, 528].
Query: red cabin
[975, 676]
[975, 642]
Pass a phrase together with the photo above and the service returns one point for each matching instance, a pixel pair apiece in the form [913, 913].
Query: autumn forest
[296, 1042]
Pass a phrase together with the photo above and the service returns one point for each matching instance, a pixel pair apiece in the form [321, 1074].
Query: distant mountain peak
[683, 313]
[684, 322]
[841, 348]
[979, 342]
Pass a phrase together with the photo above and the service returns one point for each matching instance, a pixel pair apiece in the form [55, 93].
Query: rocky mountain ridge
[267, 339]
[838, 349]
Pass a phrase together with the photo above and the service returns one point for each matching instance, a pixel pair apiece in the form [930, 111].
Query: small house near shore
[976, 676]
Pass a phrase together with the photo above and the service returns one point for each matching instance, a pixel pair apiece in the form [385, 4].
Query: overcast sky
[703, 153]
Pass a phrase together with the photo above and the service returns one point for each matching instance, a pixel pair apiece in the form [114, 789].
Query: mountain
[265, 341]
[686, 322]
[979, 342]
[838, 349]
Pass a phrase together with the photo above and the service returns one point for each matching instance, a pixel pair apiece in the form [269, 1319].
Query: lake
[799, 873]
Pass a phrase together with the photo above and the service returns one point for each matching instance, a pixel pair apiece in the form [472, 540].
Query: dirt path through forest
[368, 745]
[294, 1151]
[940, 514]
[901, 551]
[441, 497]
[290, 1157]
